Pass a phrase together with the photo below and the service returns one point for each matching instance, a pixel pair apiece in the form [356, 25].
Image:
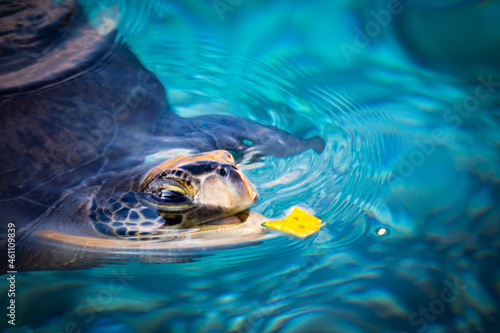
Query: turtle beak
[249, 190]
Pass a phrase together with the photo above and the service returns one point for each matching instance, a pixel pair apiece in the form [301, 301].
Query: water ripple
[260, 63]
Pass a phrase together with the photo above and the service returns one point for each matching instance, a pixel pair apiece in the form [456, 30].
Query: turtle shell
[73, 103]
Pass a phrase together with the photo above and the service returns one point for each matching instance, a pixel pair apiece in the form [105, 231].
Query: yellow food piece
[299, 223]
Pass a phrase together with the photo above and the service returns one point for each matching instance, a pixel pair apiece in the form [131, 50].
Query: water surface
[409, 112]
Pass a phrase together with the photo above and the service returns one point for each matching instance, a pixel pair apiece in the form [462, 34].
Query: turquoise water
[408, 104]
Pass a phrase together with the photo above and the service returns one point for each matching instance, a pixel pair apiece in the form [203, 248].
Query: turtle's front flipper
[240, 136]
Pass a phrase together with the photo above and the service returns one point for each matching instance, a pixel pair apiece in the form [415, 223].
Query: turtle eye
[171, 192]
[172, 196]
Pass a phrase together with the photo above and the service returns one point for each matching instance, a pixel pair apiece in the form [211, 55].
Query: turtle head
[192, 190]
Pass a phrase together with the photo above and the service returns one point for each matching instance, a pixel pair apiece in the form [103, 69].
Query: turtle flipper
[240, 136]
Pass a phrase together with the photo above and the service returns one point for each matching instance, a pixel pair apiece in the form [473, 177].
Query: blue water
[409, 109]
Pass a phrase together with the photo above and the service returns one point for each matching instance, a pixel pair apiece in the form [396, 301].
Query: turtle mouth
[224, 221]
[237, 218]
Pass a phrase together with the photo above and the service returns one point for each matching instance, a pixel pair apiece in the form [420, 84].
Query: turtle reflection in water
[78, 107]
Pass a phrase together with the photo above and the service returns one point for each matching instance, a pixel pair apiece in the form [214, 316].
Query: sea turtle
[186, 203]
[78, 106]
[76, 103]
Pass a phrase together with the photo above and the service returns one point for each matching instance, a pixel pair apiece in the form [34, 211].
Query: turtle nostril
[222, 172]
